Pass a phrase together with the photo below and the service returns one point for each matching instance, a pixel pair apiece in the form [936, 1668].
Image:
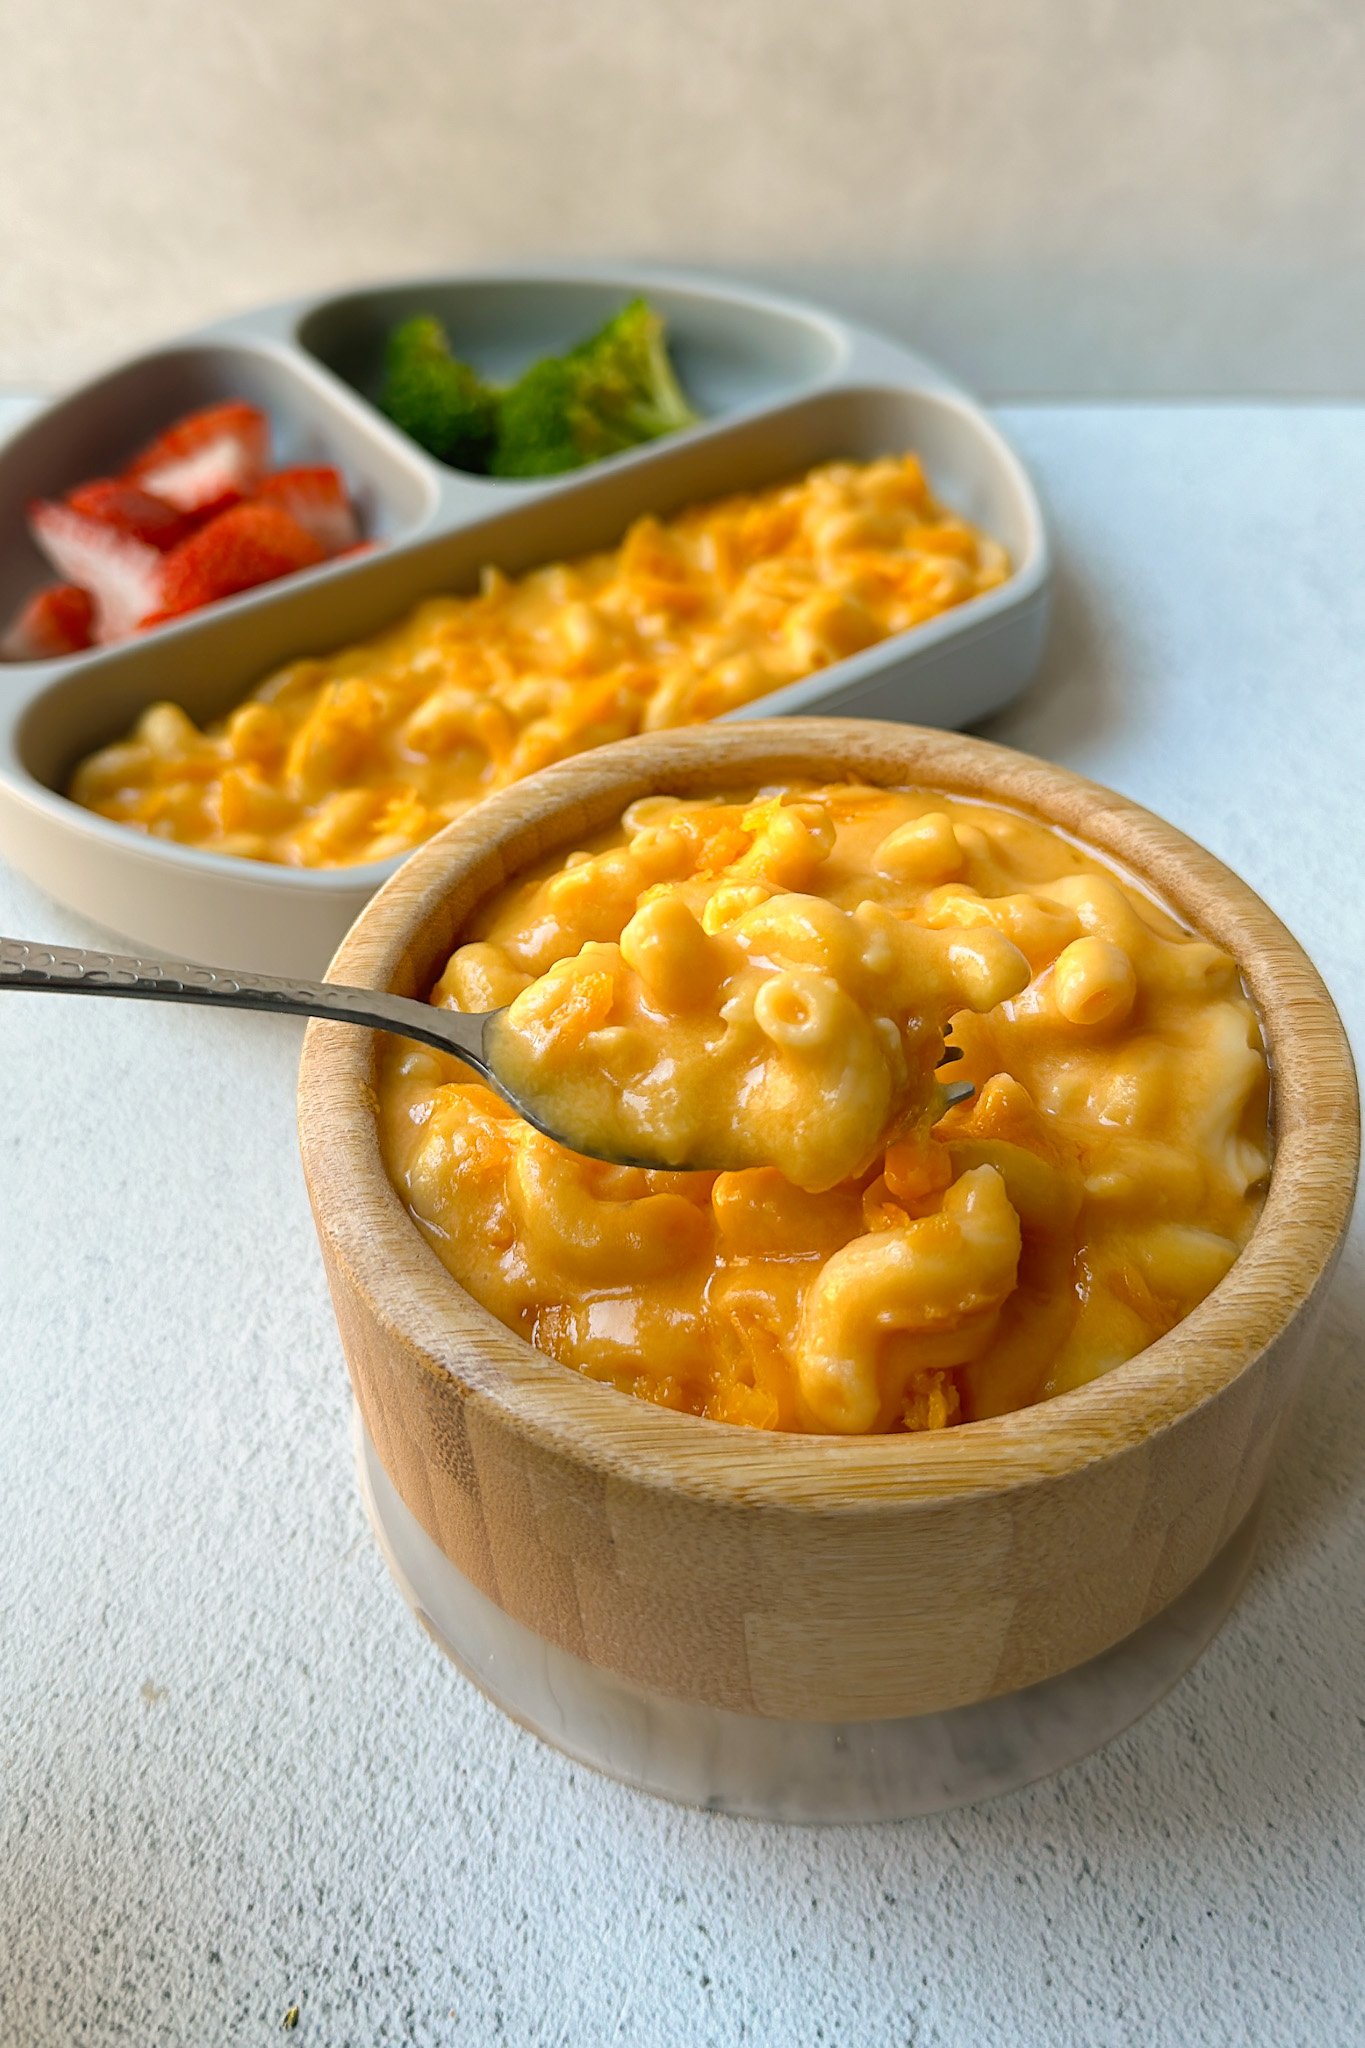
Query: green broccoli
[610, 393]
[444, 404]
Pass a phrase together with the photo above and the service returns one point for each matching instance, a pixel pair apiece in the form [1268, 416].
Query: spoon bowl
[469, 1036]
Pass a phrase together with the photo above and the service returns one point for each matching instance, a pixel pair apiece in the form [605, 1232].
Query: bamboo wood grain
[818, 1577]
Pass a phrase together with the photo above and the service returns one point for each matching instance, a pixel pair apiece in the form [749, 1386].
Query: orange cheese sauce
[755, 1023]
[1104, 1177]
[360, 755]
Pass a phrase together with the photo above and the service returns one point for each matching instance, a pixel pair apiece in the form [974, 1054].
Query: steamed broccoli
[440, 401]
[611, 392]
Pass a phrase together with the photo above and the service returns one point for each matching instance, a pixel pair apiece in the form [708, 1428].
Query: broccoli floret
[432, 395]
[611, 392]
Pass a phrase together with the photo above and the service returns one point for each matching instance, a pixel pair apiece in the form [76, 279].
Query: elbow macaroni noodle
[775, 974]
[753, 1025]
[360, 755]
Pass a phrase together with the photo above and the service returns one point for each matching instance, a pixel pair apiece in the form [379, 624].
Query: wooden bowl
[800, 1578]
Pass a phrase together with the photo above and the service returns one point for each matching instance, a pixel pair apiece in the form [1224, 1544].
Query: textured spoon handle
[70, 970]
[28, 963]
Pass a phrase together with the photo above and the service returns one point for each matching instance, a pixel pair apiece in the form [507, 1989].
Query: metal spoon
[70, 970]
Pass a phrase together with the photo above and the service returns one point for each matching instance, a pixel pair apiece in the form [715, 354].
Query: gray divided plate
[780, 385]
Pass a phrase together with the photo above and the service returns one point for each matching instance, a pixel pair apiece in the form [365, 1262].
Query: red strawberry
[317, 498]
[122, 575]
[57, 620]
[131, 510]
[247, 545]
[207, 460]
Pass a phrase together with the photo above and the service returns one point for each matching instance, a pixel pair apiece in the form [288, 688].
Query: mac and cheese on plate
[360, 755]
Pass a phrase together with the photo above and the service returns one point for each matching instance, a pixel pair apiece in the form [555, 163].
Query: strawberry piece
[208, 460]
[57, 620]
[131, 510]
[247, 545]
[316, 497]
[122, 575]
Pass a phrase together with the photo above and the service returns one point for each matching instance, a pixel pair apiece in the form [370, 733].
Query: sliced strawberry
[131, 510]
[207, 460]
[122, 575]
[317, 498]
[57, 620]
[247, 545]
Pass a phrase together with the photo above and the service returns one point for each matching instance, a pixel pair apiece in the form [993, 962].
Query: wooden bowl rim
[410, 926]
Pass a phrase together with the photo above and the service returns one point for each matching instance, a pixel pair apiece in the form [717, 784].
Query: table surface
[237, 1777]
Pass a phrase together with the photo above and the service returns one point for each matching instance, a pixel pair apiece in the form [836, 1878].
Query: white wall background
[1057, 196]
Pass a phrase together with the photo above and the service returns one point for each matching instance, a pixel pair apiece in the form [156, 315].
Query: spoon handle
[70, 970]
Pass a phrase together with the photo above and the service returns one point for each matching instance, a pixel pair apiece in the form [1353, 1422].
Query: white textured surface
[1060, 196]
[235, 1774]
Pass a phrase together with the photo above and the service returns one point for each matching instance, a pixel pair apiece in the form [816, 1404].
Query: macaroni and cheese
[755, 1025]
[361, 755]
[777, 972]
